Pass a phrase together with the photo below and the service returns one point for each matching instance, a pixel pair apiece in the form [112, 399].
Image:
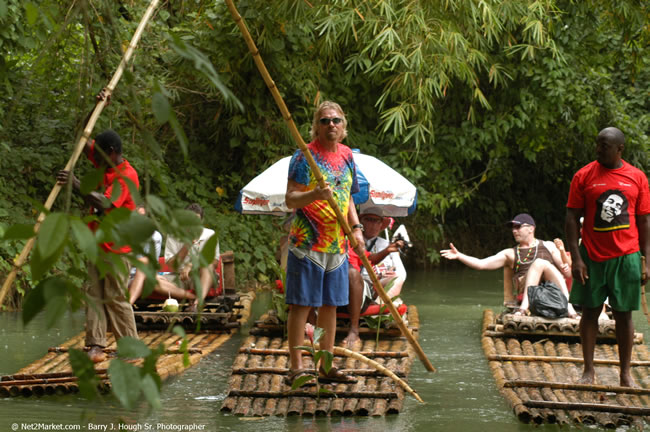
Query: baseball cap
[520, 219]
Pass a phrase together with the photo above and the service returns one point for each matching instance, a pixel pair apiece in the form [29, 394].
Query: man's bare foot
[627, 381]
[351, 339]
[587, 378]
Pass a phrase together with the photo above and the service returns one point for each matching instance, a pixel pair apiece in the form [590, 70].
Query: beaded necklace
[527, 259]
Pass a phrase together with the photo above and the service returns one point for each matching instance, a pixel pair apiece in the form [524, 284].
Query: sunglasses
[326, 121]
[515, 226]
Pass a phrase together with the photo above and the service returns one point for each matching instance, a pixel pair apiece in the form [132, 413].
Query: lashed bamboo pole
[285, 371]
[633, 410]
[270, 351]
[576, 387]
[321, 181]
[22, 258]
[560, 359]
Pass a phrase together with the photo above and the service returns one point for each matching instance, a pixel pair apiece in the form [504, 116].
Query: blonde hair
[322, 107]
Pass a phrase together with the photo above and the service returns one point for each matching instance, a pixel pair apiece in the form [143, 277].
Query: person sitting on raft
[138, 277]
[380, 252]
[531, 261]
[178, 254]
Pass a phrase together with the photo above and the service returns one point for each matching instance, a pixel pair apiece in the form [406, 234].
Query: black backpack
[548, 301]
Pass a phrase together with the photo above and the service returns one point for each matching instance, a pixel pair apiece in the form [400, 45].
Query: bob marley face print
[611, 212]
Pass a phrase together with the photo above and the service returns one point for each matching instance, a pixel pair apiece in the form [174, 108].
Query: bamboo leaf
[162, 110]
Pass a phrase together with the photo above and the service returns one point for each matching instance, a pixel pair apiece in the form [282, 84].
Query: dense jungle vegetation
[489, 107]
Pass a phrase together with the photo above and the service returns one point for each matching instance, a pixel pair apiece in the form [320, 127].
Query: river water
[461, 396]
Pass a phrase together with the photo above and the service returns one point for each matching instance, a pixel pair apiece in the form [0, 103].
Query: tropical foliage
[487, 106]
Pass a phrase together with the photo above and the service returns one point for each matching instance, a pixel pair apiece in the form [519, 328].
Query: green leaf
[300, 381]
[31, 11]
[125, 382]
[39, 265]
[34, 303]
[84, 369]
[85, 238]
[178, 330]
[151, 391]
[52, 235]
[318, 334]
[91, 181]
[137, 230]
[19, 232]
[128, 347]
[209, 249]
[161, 108]
[305, 348]
[3, 9]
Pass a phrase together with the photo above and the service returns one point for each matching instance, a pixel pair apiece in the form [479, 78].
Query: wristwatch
[360, 226]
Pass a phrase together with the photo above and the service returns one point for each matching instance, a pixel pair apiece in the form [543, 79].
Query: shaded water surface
[461, 396]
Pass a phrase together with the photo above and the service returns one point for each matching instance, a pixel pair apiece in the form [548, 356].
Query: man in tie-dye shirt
[317, 266]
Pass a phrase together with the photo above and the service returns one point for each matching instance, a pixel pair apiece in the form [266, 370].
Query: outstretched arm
[490, 263]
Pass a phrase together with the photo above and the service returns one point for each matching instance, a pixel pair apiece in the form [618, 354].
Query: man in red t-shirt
[107, 293]
[614, 198]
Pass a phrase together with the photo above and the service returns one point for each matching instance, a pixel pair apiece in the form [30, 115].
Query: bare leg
[588, 333]
[354, 307]
[544, 270]
[625, 340]
[327, 321]
[296, 329]
[169, 289]
[136, 285]
[206, 280]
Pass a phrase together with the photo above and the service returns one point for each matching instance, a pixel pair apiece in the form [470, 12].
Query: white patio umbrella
[380, 186]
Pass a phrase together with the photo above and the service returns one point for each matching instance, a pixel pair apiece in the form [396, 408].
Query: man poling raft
[321, 182]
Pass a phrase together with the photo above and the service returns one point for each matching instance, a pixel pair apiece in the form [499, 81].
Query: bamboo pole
[560, 359]
[22, 258]
[312, 394]
[379, 367]
[269, 351]
[633, 410]
[576, 387]
[321, 181]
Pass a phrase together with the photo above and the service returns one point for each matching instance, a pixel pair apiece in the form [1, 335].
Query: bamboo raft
[52, 374]
[257, 388]
[536, 364]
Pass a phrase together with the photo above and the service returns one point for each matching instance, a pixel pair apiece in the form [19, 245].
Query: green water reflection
[461, 396]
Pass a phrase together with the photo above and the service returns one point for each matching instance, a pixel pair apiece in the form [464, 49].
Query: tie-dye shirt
[315, 226]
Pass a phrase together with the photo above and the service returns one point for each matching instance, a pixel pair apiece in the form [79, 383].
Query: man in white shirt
[388, 267]
[178, 255]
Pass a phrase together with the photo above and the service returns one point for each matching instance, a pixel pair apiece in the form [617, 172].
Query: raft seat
[374, 310]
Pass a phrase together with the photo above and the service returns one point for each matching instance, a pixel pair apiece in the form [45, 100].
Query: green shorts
[617, 278]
